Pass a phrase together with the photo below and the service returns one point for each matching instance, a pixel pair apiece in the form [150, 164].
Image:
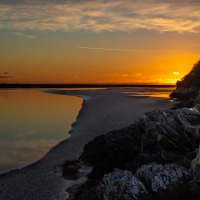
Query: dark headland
[156, 157]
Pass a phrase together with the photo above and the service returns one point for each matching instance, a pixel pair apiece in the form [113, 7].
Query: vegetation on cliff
[187, 89]
[192, 79]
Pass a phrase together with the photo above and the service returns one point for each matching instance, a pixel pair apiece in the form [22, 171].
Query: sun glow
[170, 81]
[175, 73]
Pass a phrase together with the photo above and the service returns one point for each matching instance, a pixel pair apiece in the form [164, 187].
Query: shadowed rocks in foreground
[160, 149]
[149, 182]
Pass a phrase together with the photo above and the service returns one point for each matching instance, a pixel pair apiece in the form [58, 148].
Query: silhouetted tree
[192, 79]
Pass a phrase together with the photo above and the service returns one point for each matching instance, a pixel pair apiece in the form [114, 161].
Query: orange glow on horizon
[97, 67]
[82, 43]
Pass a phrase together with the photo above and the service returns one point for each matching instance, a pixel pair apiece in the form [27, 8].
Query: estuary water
[32, 122]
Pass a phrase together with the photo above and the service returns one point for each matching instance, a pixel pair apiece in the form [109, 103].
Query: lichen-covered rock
[164, 180]
[122, 185]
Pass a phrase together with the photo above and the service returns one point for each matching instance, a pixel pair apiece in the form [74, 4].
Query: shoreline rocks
[165, 181]
[160, 148]
[122, 185]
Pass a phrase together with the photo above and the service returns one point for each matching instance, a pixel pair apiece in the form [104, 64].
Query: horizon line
[75, 85]
[111, 83]
[113, 49]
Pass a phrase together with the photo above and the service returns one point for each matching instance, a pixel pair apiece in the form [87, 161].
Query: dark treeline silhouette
[187, 90]
[4, 85]
[192, 79]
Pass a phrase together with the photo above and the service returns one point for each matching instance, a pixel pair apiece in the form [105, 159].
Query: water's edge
[73, 125]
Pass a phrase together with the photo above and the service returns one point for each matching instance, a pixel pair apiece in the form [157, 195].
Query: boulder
[122, 185]
[165, 181]
[110, 151]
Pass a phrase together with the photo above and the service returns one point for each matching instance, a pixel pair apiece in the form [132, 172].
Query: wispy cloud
[5, 75]
[32, 37]
[109, 49]
[123, 74]
[101, 15]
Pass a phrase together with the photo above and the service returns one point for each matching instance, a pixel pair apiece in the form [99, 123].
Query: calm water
[152, 92]
[32, 122]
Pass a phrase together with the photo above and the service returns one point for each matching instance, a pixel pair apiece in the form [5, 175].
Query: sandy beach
[102, 111]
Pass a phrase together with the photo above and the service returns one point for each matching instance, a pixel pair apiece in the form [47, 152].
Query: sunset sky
[98, 41]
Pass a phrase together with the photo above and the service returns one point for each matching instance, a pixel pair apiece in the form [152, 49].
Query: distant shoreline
[18, 85]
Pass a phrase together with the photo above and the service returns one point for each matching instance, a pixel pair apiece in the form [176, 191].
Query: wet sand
[102, 111]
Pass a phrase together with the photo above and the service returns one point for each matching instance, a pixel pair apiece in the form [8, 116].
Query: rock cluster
[164, 180]
[122, 185]
[160, 149]
[159, 136]
[151, 181]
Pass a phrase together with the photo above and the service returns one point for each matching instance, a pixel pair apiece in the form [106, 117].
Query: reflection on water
[31, 123]
[153, 92]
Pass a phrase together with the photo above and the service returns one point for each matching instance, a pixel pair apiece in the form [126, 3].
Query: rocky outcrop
[185, 94]
[168, 181]
[161, 149]
[159, 136]
[121, 185]
[151, 181]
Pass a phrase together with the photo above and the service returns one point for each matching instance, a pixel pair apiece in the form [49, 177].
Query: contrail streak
[108, 49]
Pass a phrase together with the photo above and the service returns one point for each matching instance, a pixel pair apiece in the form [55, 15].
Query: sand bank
[102, 111]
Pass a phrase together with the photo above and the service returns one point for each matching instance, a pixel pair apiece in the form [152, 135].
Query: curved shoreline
[73, 125]
[101, 112]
